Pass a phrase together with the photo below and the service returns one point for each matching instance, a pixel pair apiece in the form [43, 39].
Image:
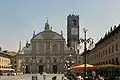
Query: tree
[71, 74]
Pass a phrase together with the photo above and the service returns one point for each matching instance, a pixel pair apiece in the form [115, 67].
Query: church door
[27, 69]
[54, 68]
[40, 69]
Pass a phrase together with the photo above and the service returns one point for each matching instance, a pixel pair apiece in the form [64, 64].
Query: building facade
[5, 63]
[107, 50]
[46, 52]
[13, 59]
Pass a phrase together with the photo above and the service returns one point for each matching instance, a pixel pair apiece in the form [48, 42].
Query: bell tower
[72, 30]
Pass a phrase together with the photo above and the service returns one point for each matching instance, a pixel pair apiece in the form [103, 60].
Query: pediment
[48, 35]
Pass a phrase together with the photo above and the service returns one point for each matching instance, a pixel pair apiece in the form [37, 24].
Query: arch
[41, 67]
[55, 68]
[27, 69]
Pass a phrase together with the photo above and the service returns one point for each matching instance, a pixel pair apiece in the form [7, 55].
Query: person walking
[44, 76]
[54, 78]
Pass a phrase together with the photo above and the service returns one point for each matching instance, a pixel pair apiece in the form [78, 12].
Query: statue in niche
[41, 48]
[54, 48]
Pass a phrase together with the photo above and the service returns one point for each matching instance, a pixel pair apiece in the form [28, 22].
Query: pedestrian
[97, 77]
[62, 78]
[54, 78]
[79, 77]
[44, 76]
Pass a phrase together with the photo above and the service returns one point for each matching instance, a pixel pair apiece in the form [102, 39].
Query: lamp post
[85, 41]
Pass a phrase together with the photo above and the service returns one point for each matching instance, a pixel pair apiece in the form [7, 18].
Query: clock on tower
[74, 31]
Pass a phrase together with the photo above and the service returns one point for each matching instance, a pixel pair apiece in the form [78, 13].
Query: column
[34, 70]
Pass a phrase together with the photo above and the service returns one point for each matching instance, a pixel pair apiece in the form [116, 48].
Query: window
[109, 50]
[68, 23]
[106, 51]
[116, 37]
[116, 47]
[103, 53]
[112, 48]
[79, 61]
[106, 62]
[74, 22]
[117, 61]
[15, 62]
[109, 62]
[112, 61]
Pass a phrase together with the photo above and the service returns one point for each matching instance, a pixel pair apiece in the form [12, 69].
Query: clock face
[74, 31]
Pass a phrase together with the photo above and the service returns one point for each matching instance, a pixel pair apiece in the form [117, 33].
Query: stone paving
[29, 77]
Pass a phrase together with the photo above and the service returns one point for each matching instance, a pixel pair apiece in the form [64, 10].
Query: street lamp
[85, 41]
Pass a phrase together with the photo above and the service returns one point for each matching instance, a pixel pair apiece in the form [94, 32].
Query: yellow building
[13, 59]
[5, 63]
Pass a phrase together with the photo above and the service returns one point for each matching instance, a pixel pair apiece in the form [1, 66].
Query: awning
[82, 66]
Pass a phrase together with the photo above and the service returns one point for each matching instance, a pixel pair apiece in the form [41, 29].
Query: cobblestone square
[29, 77]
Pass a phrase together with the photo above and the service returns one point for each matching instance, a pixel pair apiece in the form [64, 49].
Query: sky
[19, 18]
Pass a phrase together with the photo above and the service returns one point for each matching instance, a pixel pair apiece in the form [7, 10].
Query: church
[48, 50]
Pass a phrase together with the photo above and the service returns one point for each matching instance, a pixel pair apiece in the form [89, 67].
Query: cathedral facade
[46, 52]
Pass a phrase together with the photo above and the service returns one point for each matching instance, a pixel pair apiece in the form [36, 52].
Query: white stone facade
[46, 52]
